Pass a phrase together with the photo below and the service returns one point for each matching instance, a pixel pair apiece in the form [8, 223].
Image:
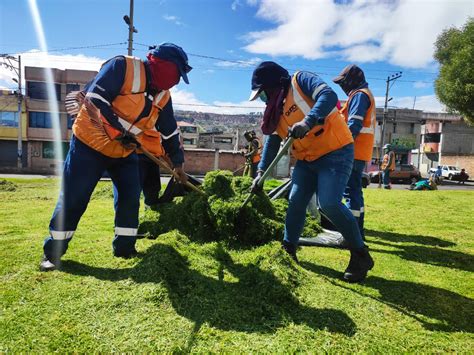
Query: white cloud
[429, 103]
[421, 84]
[187, 101]
[235, 4]
[401, 32]
[250, 63]
[174, 19]
[35, 58]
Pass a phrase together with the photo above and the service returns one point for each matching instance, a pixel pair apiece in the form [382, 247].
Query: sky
[226, 39]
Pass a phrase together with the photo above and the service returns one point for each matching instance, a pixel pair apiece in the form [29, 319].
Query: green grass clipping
[218, 215]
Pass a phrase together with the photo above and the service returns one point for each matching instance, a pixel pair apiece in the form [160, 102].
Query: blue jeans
[354, 194]
[327, 177]
[83, 168]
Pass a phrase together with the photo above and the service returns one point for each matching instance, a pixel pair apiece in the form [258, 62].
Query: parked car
[365, 179]
[403, 172]
[448, 172]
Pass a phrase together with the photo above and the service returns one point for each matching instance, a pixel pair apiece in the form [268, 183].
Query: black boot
[361, 262]
[290, 249]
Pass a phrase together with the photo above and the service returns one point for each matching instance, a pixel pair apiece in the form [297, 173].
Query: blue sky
[225, 39]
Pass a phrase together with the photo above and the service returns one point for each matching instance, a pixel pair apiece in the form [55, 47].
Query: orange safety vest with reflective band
[128, 105]
[385, 160]
[257, 156]
[321, 139]
[364, 142]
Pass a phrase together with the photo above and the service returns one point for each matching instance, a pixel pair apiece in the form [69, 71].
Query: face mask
[164, 74]
[263, 96]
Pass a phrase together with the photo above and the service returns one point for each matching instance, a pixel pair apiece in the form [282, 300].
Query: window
[72, 87]
[40, 120]
[50, 150]
[412, 128]
[188, 129]
[8, 119]
[39, 90]
[222, 140]
[190, 141]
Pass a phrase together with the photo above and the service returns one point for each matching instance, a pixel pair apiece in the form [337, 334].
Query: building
[40, 153]
[217, 140]
[189, 133]
[446, 140]
[9, 130]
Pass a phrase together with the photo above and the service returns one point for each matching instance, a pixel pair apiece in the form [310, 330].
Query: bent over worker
[305, 106]
[124, 99]
[360, 114]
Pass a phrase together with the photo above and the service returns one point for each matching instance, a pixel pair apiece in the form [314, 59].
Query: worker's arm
[168, 128]
[325, 98]
[358, 107]
[106, 87]
[270, 151]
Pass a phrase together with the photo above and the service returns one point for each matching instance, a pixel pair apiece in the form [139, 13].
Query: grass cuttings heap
[218, 215]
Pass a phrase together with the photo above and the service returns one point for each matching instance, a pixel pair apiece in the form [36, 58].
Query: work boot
[48, 265]
[361, 262]
[290, 249]
[126, 254]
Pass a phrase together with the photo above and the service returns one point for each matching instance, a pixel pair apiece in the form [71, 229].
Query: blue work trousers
[386, 178]
[327, 177]
[354, 194]
[149, 179]
[83, 168]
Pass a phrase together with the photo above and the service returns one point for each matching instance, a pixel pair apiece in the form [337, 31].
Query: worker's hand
[298, 130]
[182, 177]
[128, 140]
[256, 187]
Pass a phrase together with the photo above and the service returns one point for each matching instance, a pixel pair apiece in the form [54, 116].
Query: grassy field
[181, 296]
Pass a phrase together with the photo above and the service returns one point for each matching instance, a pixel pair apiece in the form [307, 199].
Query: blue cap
[173, 53]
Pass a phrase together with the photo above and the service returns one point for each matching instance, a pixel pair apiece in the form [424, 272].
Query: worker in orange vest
[252, 154]
[303, 106]
[388, 165]
[359, 112]
[124, 100]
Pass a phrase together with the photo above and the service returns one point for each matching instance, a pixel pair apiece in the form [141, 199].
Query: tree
[455, 83]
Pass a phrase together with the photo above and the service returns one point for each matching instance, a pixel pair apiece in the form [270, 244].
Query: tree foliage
[455, 84]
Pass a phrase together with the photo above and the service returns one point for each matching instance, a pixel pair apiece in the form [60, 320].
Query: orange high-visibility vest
[364, 142]
[321, 139]
[257, 156]
[128, 105]
[386, 159]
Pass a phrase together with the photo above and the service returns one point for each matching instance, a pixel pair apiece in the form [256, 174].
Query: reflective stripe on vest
[128, 106]
[321, 139]
[364, 142]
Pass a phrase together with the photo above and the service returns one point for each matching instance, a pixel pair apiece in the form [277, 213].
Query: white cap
[254, 94]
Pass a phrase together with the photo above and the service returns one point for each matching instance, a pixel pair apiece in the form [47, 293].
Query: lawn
[179, 295]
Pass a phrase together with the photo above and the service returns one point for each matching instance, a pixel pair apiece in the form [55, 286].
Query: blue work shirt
[325, 101]
[106, 87]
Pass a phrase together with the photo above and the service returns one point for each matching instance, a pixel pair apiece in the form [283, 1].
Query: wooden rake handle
[164, 165]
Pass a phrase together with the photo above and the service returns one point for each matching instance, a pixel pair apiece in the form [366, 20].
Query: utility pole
[131, 29]
[8, 62]
[384, 119]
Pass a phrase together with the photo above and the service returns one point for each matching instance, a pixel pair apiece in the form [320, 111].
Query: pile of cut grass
[218, 215]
